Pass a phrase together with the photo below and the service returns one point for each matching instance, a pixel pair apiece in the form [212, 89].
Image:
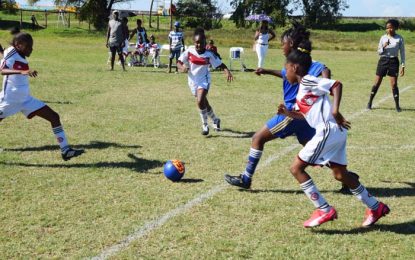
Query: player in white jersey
[176, 41]
[15, 96]
[328, 146]
[196, 63]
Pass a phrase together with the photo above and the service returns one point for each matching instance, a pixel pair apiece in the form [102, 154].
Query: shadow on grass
[7, 25]
[191, 180]
[376, 191]
[58, 102]
[390, 108]
[138, 164]
[91, 145]
[229, 133]
[406, 228]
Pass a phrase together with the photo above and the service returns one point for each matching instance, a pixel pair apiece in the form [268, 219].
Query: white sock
[60, 136]
[364, 196]
[314, 195]
[203, 116]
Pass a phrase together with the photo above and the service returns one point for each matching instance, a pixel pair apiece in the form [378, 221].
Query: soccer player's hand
[341, 121]
[259, 71]
[282, 110]
[229, 76]
[31, 73]
[107, 45]
[402, 72]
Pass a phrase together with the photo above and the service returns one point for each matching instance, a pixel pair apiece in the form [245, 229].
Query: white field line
[158, 222]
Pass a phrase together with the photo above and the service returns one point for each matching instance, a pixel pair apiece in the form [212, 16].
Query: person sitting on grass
[141, 50]
[15, 96]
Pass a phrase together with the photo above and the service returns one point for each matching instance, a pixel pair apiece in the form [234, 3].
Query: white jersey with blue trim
[176, 40]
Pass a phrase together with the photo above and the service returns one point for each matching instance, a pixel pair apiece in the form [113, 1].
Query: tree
[278, 10]
[321, 12]
[95, 11]
[197, 13]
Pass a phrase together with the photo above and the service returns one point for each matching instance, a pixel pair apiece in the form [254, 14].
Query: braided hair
[301, 56]
[297, 33]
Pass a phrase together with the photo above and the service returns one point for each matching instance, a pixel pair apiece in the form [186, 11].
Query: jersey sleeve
[214, 60]
[316, 68]
[324, 86]
[284, 73]
[184, 57]
[7, 62]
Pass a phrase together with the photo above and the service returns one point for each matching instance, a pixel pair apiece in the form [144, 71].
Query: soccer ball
[174, 170]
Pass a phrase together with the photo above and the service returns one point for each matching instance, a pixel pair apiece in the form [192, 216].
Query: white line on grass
[154, 224]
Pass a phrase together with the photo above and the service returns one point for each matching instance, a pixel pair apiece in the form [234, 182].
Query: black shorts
[388, 66]
[117, 49]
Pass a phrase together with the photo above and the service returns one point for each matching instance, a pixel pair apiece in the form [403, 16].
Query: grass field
[114, 200]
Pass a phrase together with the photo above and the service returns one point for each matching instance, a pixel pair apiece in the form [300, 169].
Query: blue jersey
[290, 90]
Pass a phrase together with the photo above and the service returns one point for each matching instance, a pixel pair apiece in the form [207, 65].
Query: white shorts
[125, 50]
[27, 107]
[195, 86]
[327, 146]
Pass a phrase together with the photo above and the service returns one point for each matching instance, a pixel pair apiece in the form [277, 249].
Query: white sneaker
[205, 129]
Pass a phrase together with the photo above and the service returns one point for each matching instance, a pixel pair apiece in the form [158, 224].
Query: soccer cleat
[319, 217]
[71, 153]
[205, 129]
[237, 181]
[369, 106]
[398, 109]
[216, 124]
[344, 189]
[372, 216]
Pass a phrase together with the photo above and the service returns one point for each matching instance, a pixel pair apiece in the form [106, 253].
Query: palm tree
[151, 10]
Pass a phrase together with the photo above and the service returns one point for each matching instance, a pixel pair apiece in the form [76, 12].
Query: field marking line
[158, 222]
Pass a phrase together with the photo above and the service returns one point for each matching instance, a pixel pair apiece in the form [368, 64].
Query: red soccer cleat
[319, 217]
[372, 216]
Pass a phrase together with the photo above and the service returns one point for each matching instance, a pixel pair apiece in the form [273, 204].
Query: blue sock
[253, 159]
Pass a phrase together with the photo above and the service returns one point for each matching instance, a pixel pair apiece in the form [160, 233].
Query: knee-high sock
[313, 194]
[373, 94]
[253, 159]
[364, 196]
[395, 91]
[203, 115]
[61, 138]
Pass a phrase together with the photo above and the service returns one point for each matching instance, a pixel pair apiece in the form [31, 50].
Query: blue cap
[176, 24]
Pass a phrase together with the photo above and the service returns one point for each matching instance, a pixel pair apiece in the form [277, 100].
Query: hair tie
[303, 50]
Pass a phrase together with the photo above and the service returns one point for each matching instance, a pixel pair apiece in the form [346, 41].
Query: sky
[393, 8]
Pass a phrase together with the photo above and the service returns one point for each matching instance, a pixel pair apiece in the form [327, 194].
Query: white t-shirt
[176, 40]
[263, 38]
[199, 65]
[313, 101]
[17, 86]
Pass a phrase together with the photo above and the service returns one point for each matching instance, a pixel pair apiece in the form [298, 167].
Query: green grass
[131, 123]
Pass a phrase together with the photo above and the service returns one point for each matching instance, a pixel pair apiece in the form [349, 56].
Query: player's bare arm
[227, 72]
[282, 110]
[261, 71]
[31, 73]
[337, 95]
[182, 67]
[326, 73]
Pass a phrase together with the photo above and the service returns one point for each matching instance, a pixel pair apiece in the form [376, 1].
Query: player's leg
[277, 127]
[381, 71]
[258, 48]
[50, 115]
[375, 209]
[113, 50]
[395, 92]
[201, 100]
[171, 60]
[121, 57]
[215, 120]
[324, 212]
[177, 54]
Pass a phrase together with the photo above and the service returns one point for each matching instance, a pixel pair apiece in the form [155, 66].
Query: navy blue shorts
[175, 53]
[281, 126]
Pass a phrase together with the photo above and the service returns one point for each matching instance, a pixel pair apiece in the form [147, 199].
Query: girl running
[15, 96]
[328, 146]
[196, 63]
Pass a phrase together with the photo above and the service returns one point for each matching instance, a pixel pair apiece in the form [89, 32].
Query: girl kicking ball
[196, 63]
[15, 96]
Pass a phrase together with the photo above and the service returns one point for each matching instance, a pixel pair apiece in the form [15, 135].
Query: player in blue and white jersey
[176, 41]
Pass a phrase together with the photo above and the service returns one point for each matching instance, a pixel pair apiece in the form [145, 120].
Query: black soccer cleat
[71, 153]
[237, 181]
[344, 189]
[369, 106]
[398, 109]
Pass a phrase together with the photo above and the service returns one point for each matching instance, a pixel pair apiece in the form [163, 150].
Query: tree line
[205, 13]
